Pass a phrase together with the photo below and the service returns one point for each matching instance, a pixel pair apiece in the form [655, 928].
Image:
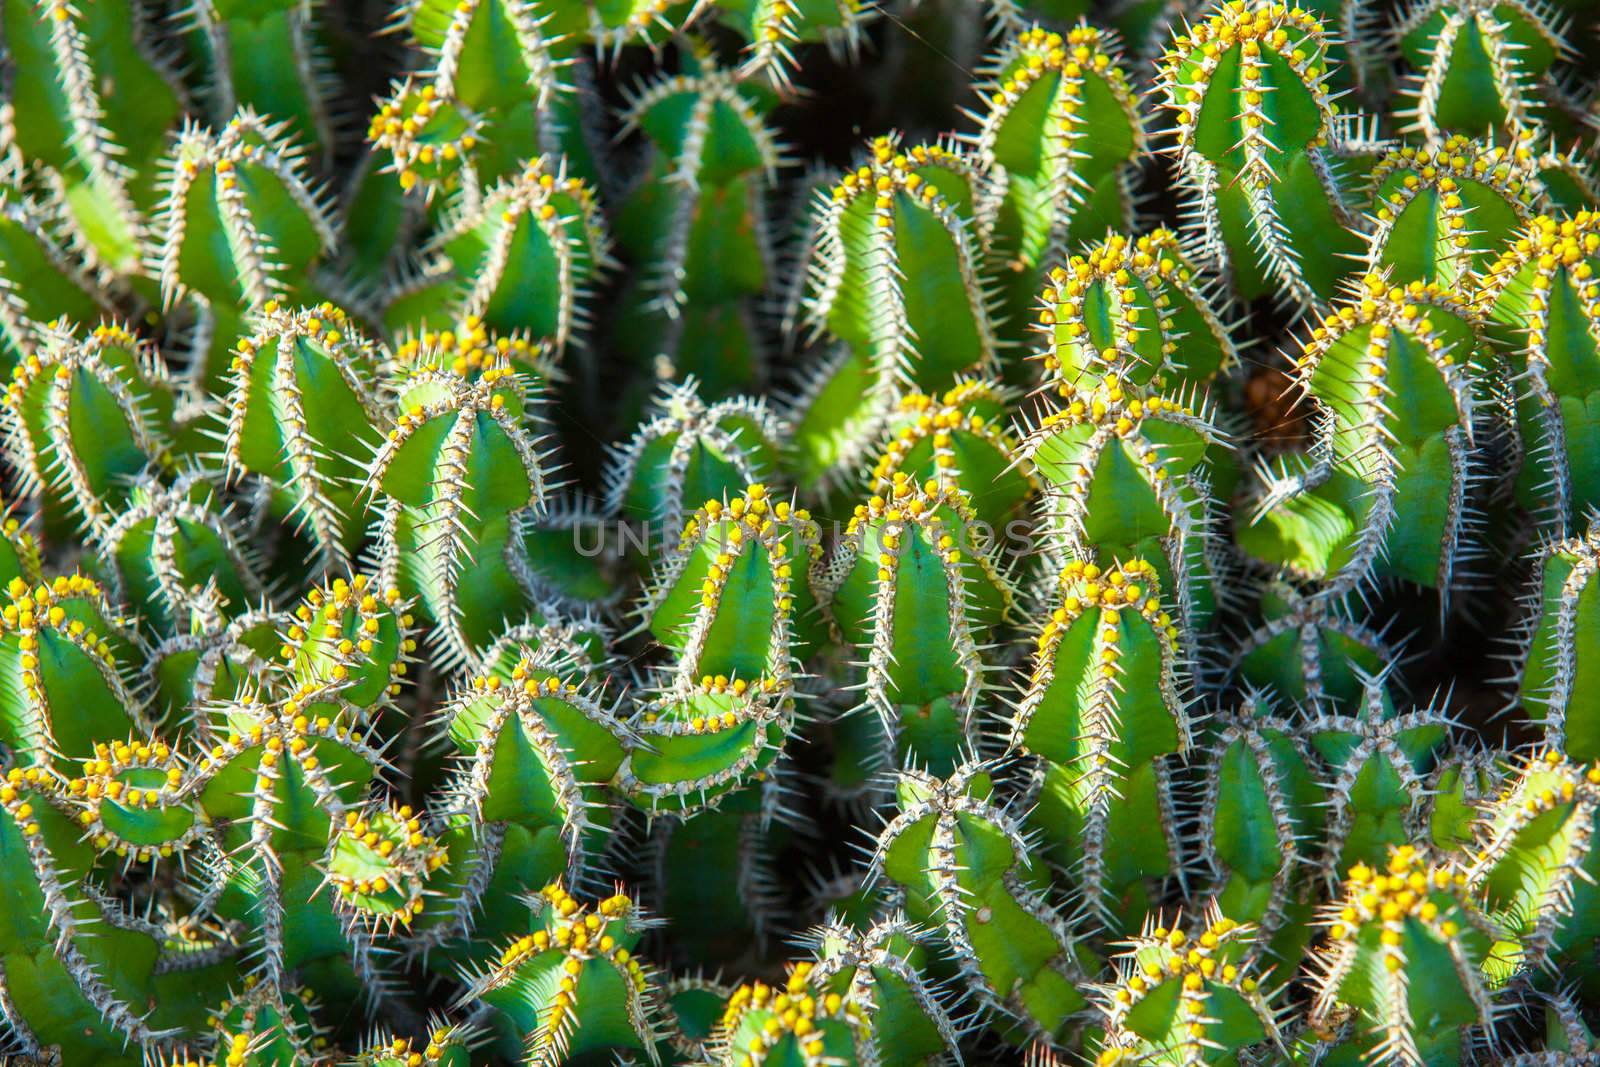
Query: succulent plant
[639, 531]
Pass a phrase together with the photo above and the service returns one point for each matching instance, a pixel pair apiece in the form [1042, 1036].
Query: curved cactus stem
[1310, 649]
[1536, 865]
[1386, 490]
[1556, 657]
[1061, 130]
[241, 221]
[177, 551]
[84, 415]
[958, 440]
[1133, 311]
[458, 466]
[91, 104]
[1260, 814]
[1378, 760]
[1511, 44]
[1128, 475]
[735, 602]
[1248, 90]
[691, 451]
[1440, 214]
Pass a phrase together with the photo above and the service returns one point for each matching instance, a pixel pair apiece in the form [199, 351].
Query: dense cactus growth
[723, 533]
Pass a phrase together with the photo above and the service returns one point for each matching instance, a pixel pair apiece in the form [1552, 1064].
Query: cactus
[1405, 950]
[1127, 475]
[1310, 650]
[1105, 709]
[1379, 759]
[698, 227]
[917, 588]
[959, 439]
[268, 58]
[894, 267]
[1248, 91]
[1261, 812]
[1442, 214]
[1535, 299]
[1535, 855]
[691, 451]
[85, 416]
[1187, 997]
[861, 989]
[1134, 311]
[1062, 128]
[964, 867]
[462, 458]
[91, 102]
[735, 602]
[458, 449]
[1385, 491]
[572, 986]
[175, 555]
[1510, 46]
[1555, 653]
[301, 411]
[520, 261]
[241, 221]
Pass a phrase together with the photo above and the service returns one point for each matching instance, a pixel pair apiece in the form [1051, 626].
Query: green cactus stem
[266, 55]
[302, 410]
[84, 416]
[1539, 300]
[39, 281]
[1535, 868]
[1187, 997]
[893, 267]
[1261, 815]
[1442, 214]
[574, 985]
[965, 869]
[67, 658]
[1481, 66]
[1406, 945]
[1557, 653]
[1127, 475]
[522, 261]
[456, 472]
[1378, 759]
[959, 439]
[176, 551]
[1061, 130]
[1248, 90]
[1310, 649]
[241, 221]
[915, 584]
[90, 101]
[1106, 704]
[735, 602]
[690, 451]
[447, 1045]
[1389, 488]
[1134, 310]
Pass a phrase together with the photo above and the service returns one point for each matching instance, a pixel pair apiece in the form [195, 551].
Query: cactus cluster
[806, 532]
